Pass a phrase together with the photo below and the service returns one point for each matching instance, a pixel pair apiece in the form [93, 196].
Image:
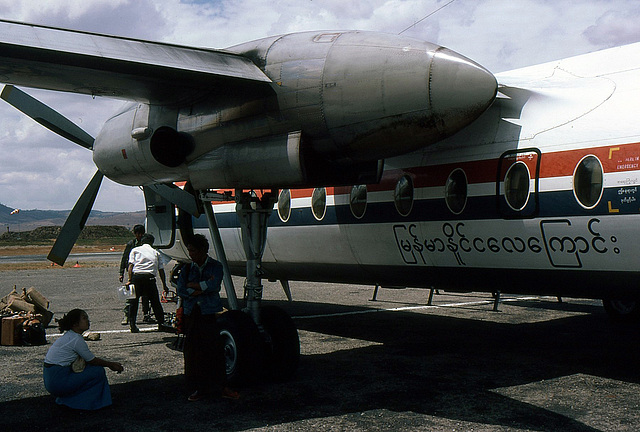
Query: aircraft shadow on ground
[565, 306]
[433, 365]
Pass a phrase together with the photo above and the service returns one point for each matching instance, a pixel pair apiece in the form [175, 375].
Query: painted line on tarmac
[410, 308]
[367, 311]
[142, 329]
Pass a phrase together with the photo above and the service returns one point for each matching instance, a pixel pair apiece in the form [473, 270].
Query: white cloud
[40, 169]
[119, 17]
[615, 27]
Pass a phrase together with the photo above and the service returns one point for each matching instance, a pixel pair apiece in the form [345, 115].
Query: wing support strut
[220, 254]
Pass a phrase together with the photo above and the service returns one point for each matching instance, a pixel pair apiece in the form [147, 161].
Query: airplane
[371, 158]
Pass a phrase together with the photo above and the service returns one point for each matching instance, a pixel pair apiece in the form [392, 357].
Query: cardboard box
[10, 330]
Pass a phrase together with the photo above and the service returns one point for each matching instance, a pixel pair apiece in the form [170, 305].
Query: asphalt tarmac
[395, 364]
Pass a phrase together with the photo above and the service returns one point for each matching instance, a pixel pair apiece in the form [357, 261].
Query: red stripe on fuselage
[614, 158]
[617, 158]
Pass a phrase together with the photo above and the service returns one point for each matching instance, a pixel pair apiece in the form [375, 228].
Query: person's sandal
[227, 393]
[195, 396]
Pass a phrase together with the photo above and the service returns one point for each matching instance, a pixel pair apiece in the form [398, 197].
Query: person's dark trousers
[204, 363]
[145, 287]
[145, 306]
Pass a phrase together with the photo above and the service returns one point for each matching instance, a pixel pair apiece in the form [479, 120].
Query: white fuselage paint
[549, 117]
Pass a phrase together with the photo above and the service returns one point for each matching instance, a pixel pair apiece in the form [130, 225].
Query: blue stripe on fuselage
[549, 204]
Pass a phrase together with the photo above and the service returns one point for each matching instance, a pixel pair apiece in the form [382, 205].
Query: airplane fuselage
[538, 195]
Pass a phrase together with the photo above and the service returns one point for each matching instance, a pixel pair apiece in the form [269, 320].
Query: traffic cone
[77, 264]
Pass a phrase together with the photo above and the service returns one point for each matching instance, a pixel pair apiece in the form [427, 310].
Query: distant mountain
[27, 220]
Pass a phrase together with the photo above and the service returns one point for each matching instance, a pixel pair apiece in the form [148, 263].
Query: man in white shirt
[144, 263]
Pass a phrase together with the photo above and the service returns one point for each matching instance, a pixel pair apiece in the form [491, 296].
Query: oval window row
[587, 189]
[318, 204]
[587, 185]
[403, 198]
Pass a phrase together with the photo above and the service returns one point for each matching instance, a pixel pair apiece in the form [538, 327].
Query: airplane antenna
[425, 17]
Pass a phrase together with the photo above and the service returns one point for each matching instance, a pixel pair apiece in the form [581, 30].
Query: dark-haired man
[199, 289]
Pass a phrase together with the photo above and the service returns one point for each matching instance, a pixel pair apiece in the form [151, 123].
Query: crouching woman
[64, 377]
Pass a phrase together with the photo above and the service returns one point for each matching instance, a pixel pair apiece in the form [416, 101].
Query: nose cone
[459, 90]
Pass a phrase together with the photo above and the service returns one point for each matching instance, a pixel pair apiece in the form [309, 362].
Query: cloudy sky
[40, 170]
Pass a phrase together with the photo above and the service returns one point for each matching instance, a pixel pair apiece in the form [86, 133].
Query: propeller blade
[46, 116]
[75, 222]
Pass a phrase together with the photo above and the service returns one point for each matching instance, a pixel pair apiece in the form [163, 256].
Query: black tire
[627, 311]
[282, 345]
[243, 347]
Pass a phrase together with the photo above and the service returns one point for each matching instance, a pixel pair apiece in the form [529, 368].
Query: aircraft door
[517, 185]
[160, 219]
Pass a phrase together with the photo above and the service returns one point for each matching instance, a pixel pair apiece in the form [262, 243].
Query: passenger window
[319, 202]
[403, 195]
[587, 182]
[358, 200]
[284, 205]
[456, 191]
[517, 186]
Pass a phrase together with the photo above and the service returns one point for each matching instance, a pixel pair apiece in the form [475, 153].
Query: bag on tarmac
[126, 292]
[180, 320]
[33, 333]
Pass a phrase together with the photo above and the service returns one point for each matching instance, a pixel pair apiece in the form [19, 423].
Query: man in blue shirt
[199, 288]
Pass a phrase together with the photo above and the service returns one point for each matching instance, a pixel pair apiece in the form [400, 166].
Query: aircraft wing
[100, 65]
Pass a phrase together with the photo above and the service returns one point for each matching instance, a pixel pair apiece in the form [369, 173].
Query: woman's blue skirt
[87, 390]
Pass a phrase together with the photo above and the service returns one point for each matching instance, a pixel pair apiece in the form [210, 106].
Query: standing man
[199, 288]
[144, 263]
[138, 232]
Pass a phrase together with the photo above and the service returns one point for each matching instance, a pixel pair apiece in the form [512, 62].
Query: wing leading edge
[100, 65]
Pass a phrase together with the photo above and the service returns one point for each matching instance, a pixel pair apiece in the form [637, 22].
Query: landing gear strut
[253, 213]
[258, 341]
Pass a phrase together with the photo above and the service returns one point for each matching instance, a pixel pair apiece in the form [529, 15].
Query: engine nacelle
[131, 151]
[366, 96]
[140, 145]
[275, 162]
[340, 102]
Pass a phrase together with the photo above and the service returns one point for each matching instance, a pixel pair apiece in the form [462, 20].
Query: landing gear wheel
[622, 310]
[242, 347]
[282, 345]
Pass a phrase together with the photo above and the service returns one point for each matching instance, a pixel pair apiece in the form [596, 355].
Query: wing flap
[89, 63]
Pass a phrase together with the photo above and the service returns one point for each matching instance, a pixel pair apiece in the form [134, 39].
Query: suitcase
[40, 301]
[11, 330]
